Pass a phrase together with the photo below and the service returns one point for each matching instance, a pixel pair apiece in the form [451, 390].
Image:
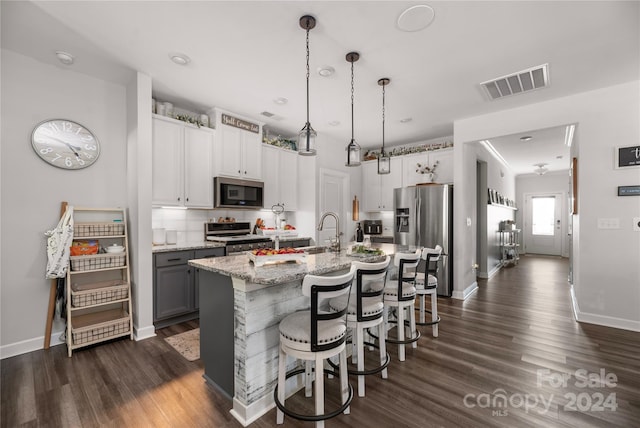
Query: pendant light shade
[353, 149]
[307, 136]
[384, 161]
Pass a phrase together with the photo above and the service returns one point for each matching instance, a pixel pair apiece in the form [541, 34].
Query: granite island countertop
[240, 267]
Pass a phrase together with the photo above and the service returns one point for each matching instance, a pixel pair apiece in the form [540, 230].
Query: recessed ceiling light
[280, 100]
[334, 123]
[406, 120]
[179, 58]
[65, 57]
[526, 138]
[326, 71]
[416, 18]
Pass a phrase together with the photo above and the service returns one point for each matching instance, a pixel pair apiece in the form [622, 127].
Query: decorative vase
[428, 177]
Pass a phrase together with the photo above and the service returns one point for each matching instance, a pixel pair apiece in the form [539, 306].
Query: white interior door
[333, 190]
[543, 224]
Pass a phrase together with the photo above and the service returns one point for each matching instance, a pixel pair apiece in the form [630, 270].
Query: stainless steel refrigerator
[423, 217]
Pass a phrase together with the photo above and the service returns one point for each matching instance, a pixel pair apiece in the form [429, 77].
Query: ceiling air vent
[516, 83]
[267, 114]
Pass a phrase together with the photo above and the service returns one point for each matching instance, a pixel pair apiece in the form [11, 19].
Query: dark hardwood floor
[509, 356]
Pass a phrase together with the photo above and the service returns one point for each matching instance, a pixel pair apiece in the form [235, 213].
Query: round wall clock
[65, 144]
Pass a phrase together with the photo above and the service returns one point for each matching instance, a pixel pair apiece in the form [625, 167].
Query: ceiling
[245, 54]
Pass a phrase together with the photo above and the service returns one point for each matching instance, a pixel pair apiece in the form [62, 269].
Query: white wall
[606, 268]
[33, 190]
[502, 180]
[139, 198]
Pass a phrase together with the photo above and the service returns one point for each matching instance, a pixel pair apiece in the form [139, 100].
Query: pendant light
[384, 161]
[353, 149]
[307, 136]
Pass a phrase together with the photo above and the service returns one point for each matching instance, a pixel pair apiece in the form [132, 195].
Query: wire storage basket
[117, 326]
[83, 295]
[97, 261]
[98, 229]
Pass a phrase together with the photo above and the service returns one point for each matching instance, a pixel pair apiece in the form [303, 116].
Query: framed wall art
[627, 157]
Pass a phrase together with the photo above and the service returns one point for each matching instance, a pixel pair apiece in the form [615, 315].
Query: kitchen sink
[316, 250]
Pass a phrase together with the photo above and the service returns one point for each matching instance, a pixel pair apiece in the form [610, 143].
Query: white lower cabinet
[378, 188]
[280, 170]
[182, 164]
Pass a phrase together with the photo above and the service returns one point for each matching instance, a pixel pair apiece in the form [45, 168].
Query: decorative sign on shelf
[627, 156]
[239, 123]
[628, 190]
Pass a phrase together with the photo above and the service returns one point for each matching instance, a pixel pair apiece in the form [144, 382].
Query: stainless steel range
[236, 237]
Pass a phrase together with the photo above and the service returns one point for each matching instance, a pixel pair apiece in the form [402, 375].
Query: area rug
[187, 344]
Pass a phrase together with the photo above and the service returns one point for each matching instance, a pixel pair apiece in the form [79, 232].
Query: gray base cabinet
[176, 285]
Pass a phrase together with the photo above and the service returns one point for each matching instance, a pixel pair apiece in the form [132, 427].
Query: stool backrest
[320, 289]
[407, 264]
[366, 274]
[431, 256]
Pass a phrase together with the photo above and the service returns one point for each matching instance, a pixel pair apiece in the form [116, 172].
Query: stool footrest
[396, 341]
[312, 418]
[430, 322]
[365, 372]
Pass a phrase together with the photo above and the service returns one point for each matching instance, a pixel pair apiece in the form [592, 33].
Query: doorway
[334, 191]
[543, 223]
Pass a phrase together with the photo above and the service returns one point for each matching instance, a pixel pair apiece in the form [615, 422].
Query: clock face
[65, 144]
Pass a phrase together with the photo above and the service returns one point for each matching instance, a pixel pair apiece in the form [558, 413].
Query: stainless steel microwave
[235, 193]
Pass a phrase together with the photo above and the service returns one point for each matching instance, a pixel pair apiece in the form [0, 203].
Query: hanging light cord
[383, 88]
[307, 81]
[351, 101]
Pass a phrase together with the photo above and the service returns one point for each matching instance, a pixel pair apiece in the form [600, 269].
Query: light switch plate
[636, 224]
[608, 223]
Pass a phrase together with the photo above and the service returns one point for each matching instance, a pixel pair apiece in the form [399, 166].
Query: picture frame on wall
[627, 157]
[574, 185]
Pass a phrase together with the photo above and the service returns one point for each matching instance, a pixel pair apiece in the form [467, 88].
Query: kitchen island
[240, 308]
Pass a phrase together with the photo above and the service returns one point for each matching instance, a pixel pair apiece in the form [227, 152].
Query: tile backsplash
[189, 224]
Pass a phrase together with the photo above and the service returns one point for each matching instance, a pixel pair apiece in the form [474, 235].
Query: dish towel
[58, 244]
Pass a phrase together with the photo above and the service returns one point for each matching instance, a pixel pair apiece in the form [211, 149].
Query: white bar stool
[431, 256]
[400, 294]
[365, 310]
[313, 336]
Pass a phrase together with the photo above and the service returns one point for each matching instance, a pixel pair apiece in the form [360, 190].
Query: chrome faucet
[334, 245]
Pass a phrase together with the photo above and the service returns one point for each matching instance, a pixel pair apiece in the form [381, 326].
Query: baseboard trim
[491, 273]
[247, 414]
[144, 332]
[29, 345]
[603, 320]
[464, 294]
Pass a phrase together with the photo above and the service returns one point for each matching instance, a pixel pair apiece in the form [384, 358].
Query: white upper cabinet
[198, 168]
[182, 164]
[443, 172]
[378, 189]
[238, 150]
[280, 171]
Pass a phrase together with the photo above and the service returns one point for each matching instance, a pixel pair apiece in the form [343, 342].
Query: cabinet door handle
[173, 260]
[245, 172]
[187, 199]
[178, 199]
[239, 172]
